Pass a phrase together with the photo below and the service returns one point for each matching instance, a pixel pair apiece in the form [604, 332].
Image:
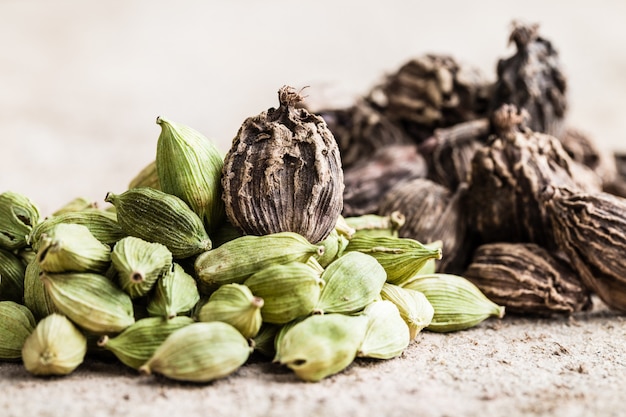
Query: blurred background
[82, 82]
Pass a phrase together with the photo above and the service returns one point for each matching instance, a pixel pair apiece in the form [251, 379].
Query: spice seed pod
[458, 303]
[56, 347]
[16, 324]
[189, 166]
[175, 293]
[147, 177]
[387, 333]
[35, 296]
[322, 345]
[91, 301]
[18, 216]
[238, 259]
[135, 345]
[76, 204]
[155, 216]
[414, 307]
[199, 352]
[12, 272]
[283, 173]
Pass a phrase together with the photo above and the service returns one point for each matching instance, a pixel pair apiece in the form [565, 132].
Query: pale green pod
[18, 216]
[331, 249]
[458, 303]
[200, 352]
[387, 333]
[343, 228]
[35, 296]
[280, 335]
[414, 307]
[91, 301]
[76, 204]
[237, 260]
[12, 272]
[174, 293]
[402, 258]
[135, 345]
[322, 345]
[189, 166]
[236, 305]
[155, 216]
[351, 282]
[376, 225]
[147, 177]
[16, 324]
[139, 264]
[263, 342]
[71, 247]
[102, 225]
[430, 267]
[289, 291]
[56, 347]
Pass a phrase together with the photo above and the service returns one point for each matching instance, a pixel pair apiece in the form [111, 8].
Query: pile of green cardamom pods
[156, 282]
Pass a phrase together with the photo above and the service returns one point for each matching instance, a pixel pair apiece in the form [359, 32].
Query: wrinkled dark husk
[368, 181]
[532, 79]
[283, 173]
[590, 228]
[584, 150]
[527, 279]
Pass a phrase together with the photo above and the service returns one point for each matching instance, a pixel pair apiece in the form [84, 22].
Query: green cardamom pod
[71, 247]
[414, 307]
[458, 303]
[91, 301]
[12, 271]
[16, 324]
[139, 264]
[235, 261]
[174, 293]
[18, 216]
[190, 167]
[200, 352]
[352, 282]
[56, 347]
[155, 216]
[322, 345]
[77, 204]
[331, 249]
[147, 177]
[35, 296]
[289, 291]
[135, 345]
[402, 258]
[376, 225]
[387, 334]
[236, 305]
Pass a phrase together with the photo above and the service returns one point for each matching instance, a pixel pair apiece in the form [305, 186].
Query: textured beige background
[81, 83]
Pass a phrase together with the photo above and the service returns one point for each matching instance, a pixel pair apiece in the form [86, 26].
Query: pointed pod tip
[145, 370]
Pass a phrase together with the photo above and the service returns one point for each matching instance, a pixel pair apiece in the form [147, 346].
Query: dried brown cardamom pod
[360, 130]
[584, 150]
[283, 173]
[507, 176]
[432, 212]
[589, 228]
[618, 185]
[432, 91]
[367, 181]
[527, 279]
[533, 80]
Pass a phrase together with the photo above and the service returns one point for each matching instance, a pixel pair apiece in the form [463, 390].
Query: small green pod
[76, 204]
[91, 301]
[458, 303]
[12, 271]
[55, 347]
[147, 177]
[174, 293]
[18, 216]
[200, 352]
[16, 324]
[236, 305]
[139, 264]
[414, 307]
[189, 166]
[387, 334]
[331, 249]
[135, 345]
[155, 216]
[69, 247]
[352, 282]
[402, 258]
[374, 225]
[322, 345]
[289, 291]
[35, 296]
[237, 260]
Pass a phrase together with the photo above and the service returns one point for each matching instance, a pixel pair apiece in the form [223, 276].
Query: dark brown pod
[367, 181]
[432, 91]
[507, 176]
[283, 173]
[527, 279]
[590, 228]
[360, 130]
[533, 80]
[584, 150]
